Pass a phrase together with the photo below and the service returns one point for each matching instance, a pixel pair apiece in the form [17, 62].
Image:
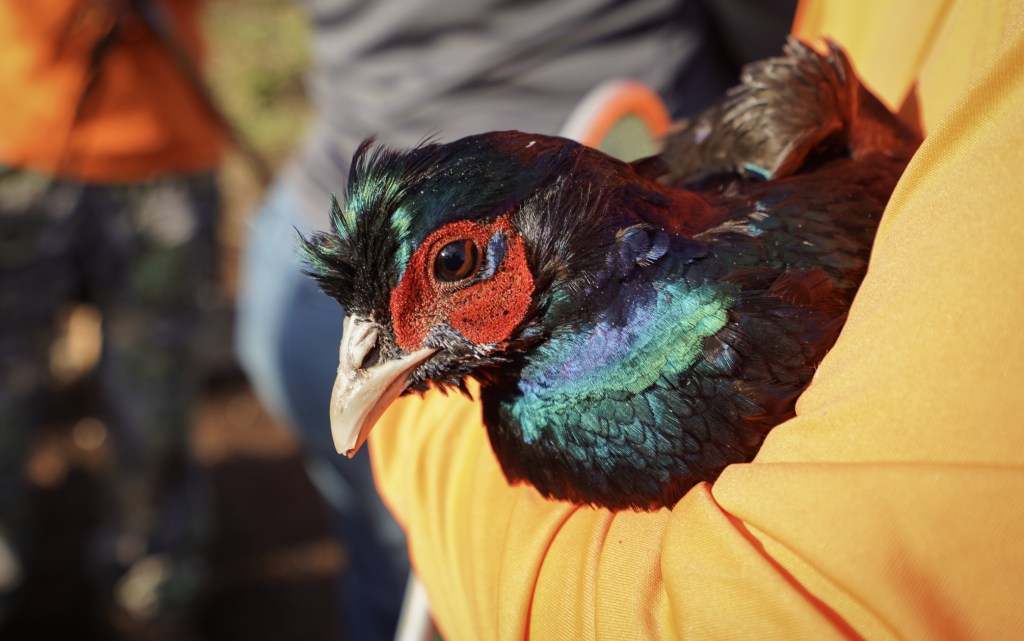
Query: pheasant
[634, 327]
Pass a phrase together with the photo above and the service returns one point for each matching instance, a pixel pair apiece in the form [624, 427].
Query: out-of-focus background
[257, 52]
[272, 556]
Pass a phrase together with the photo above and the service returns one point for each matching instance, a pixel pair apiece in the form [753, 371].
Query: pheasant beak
[361, 394]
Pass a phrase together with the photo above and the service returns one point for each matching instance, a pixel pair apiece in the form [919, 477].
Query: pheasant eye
[457, 261]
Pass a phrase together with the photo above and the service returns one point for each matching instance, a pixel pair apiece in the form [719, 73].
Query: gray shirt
[404, 70]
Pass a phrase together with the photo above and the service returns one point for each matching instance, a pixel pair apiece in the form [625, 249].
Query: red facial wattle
[483, 310]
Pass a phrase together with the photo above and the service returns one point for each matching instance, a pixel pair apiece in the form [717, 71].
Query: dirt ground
[270, 559]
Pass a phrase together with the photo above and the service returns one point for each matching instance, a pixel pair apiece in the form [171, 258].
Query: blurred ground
[271, 557]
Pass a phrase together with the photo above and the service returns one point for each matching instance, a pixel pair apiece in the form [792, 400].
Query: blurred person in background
[404, 70]
[107, 196]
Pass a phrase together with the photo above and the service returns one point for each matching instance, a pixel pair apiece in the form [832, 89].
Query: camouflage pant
[144, 255]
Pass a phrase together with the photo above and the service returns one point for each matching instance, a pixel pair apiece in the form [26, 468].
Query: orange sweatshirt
[890, 508]
[141, 118]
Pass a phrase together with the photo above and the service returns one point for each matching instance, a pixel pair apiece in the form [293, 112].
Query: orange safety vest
[140, 119]
[891, 507]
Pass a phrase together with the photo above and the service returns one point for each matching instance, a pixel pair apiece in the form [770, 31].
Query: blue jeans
[287, 339]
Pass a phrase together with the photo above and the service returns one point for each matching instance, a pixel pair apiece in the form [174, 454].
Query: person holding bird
[884, 508]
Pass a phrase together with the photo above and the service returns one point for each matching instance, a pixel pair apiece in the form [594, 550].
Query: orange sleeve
[140, 119]
[890, 508]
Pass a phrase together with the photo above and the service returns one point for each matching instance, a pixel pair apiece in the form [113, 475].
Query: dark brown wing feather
[784, 109]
